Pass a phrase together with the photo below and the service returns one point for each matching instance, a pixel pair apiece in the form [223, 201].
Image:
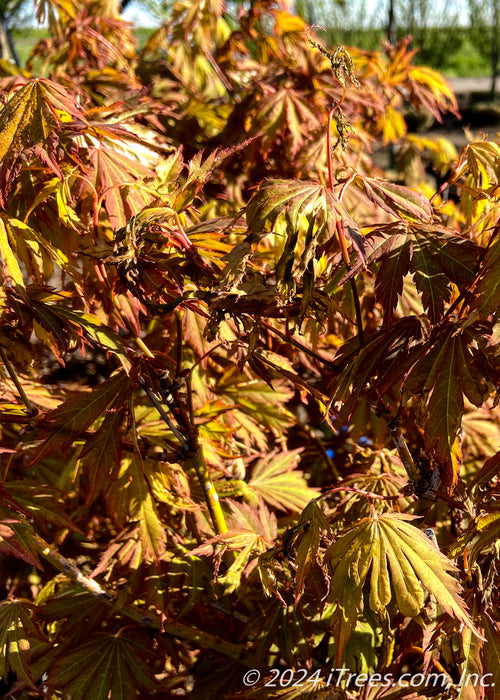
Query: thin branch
[198, 463]
[191, 454]
[357, 306]
[300, 346]
[13, 375]
[144, 617]
[67, 567]
[164, 415]
[403, 450]
[178, 348]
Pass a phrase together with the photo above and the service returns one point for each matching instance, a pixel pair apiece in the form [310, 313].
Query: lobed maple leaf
[491, 655]
[399, 562]
[311, 524]
[250, 533]
[103, 667]
[445, 373]
[437, 258]
[277, 480]
[62, 426]
[18, 631]
[39, 118]
[308, 214]
[397, 200]
[129, 498]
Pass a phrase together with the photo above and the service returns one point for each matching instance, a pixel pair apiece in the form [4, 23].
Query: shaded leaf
[491, 656]
[435, 256]
[17, 631]
[446, 372]
[105, 667]
[44, 503]
[199, 171]
[487, 298]
[15, 541]
[489, 470]
[472, 667]
[129, 496]
[69, 420]
[312, 523]
[384, 360]
[284, 114]
[484, 533]
[392, 270]
[72, 608]
[100, 457]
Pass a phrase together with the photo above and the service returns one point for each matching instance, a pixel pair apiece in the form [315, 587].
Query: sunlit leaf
[116, 168]
[280, 484]
[31, 120]
[11, 270]
[402, 562]
[396, 199]
[483, 160]
[250, 533]
[92, 328]
[310, 214]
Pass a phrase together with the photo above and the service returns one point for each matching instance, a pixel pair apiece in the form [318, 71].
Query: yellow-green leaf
[401, 556]
[280, 484]
[11, 269]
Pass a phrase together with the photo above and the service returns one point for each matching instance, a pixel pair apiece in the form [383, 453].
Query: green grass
[25, 40]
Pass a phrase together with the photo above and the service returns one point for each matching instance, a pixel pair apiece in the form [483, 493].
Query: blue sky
[140, 17]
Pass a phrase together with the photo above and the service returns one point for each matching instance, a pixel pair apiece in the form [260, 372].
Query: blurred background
[460, 38]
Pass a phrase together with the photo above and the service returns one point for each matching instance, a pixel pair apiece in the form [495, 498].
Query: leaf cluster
[249, 379]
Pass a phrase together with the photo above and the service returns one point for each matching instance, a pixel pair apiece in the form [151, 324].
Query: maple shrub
[249, 379]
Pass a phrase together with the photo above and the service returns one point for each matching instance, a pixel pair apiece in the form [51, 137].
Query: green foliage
[243, 370]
